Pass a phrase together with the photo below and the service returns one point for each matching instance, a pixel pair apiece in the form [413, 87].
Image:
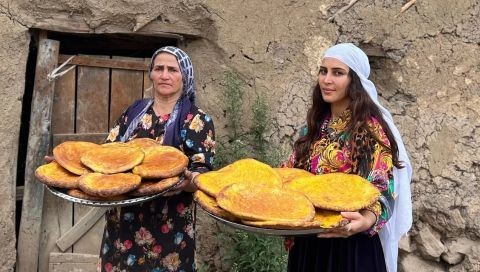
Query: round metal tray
[266, 231]
[108, 203]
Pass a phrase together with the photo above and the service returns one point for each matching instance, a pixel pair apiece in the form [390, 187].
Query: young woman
[159, 235]
[349, 131]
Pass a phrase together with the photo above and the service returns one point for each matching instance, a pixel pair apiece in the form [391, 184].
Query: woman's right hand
[48, 159]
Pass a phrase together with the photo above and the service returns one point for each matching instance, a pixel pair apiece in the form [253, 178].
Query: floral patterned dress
[332, 152]
[158, 235]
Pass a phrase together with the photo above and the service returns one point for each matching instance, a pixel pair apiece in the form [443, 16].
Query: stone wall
[429, 78]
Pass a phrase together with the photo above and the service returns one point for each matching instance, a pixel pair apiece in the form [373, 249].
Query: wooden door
[87, 102]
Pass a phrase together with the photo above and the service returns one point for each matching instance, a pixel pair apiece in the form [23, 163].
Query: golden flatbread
[52, 174]
[288, 174]
[104, 185]
[114, 144]
[68, 155]
[161, 162]
[336, 191]
[82, 195]
[323, 220]
[112, 159]
[210, 205]
[143, 143]
[327, 219]
[265, 203]
[154, 187]
[246, 171]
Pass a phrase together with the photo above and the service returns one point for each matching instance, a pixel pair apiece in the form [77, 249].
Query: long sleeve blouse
[332, 152]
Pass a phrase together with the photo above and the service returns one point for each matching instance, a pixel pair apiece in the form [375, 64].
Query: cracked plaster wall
[430, 80]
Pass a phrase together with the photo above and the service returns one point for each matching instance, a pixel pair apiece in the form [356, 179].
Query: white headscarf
[401, 218]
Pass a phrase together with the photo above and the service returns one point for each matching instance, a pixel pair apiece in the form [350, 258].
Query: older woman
[350, 131]
[159, 235]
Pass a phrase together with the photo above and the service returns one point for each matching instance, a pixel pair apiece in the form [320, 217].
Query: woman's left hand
[187, 184]
[357, 222]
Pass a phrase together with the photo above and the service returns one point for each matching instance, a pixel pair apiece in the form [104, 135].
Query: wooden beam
[79, 229]
[86, 137]
[72, 258]
[61, 262]
[105, 63]
[38, 146]
[156, 27]
[74, 24]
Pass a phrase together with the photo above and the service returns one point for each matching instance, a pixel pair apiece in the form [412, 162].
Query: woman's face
[166, 76]
[334, 81]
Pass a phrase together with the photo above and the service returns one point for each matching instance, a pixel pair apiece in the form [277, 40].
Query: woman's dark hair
[362, 108]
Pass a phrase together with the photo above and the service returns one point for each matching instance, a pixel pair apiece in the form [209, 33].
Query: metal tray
[108, 203]
[266, 231]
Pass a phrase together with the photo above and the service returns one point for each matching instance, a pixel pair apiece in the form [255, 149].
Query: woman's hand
[357, 222]
[48, 159]
[188, 184]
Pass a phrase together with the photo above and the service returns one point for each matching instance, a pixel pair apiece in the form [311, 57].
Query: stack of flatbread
[113, 171]
[253, 193]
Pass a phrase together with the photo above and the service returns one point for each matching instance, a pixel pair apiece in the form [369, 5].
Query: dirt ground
[426, 69]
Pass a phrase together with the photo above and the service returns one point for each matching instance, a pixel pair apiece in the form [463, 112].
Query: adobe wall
[13, 55]
[429, 78]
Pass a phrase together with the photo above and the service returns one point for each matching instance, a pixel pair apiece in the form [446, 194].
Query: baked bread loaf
[68, 155]
[114, 144]
[149, 187]
[105, 185]
[323, 219]
[82, 195]
[210, 205]
[246, 171]
[112, 159]
[161, 162]
[287, 174]
[143, 143]
[52, 174]
[265, 203]
[336, 191]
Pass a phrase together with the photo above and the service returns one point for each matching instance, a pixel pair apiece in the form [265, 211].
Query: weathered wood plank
[76, 24]
[72, 257]
[38, 145]
[57, 212]
[105, 63]
[63, 112]
[92, 99]
[57, 220]
[92, 117]
[147, 82]
[67, 262]
[126, 87]
[80, 228]
[85, 137]
[91, 240]
[157, 27]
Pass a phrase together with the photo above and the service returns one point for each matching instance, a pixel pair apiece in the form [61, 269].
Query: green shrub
[257, 253]
[249, 252]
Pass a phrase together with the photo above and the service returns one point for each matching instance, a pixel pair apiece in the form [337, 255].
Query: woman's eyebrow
[165, 65]
[334, 68]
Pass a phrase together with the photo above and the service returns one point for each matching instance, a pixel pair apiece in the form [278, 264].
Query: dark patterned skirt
[154, 236]
[357, 253]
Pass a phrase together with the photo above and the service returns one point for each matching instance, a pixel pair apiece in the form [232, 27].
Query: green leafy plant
[249, 252]
[257, 253]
